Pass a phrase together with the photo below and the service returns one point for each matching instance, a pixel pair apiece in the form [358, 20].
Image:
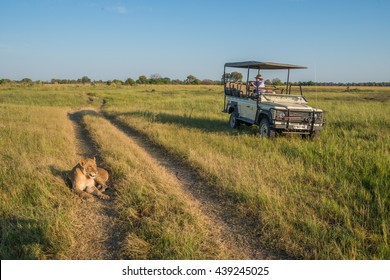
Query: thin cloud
[119, 9]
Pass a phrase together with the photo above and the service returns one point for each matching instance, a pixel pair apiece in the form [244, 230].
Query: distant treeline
[190, 80]
[364, 84]
[153, 79]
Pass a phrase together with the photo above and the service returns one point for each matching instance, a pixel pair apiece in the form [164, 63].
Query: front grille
[297, 116]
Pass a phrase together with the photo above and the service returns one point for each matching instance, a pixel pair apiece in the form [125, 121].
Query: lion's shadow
[61, 174]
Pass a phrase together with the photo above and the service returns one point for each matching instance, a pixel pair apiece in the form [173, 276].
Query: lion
[86, 178]
[101, 179]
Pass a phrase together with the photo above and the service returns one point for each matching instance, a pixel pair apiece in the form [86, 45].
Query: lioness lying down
[88, 179]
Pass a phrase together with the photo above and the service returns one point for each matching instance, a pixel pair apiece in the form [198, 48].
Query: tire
[265, 129]
[233, 122]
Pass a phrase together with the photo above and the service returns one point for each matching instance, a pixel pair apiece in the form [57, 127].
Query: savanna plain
[184, 184]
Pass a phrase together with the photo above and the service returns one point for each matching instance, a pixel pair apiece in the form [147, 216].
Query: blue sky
[339, 41]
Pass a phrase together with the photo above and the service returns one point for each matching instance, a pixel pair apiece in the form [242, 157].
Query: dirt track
[100, 224]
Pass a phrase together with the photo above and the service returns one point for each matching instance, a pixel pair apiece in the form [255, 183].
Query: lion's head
[88, 167]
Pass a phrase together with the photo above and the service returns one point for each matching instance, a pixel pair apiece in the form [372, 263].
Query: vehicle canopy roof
[263, 65]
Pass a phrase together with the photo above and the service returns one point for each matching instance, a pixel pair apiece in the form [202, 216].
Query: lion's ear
[83, 161]
[94, 159]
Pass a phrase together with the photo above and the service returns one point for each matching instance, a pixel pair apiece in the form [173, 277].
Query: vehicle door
[248, 109]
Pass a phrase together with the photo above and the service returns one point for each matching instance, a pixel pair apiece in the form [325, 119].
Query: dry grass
[325, 199]
[163, 223]
[36, 149]
[43, 219]
[321, 199]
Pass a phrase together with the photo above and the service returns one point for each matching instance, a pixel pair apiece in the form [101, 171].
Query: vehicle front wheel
[265, 129]
[233, 122]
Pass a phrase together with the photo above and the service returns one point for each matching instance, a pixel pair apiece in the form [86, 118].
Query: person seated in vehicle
[260, 86]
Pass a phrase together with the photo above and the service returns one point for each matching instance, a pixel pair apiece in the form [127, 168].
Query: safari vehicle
[273, 109]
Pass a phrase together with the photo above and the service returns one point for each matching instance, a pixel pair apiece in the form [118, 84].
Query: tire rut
[238, 233]
[100, 231]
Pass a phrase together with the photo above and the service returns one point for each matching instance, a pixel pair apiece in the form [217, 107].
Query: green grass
[327, 198]
[321, 199]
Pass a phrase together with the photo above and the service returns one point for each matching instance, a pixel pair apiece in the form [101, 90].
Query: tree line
[155, 79]
[190, 80]
[236, 77]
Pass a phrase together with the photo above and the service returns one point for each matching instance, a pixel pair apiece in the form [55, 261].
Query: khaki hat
[259, 77]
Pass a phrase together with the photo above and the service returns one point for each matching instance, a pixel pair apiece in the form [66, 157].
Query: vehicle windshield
[285, 98]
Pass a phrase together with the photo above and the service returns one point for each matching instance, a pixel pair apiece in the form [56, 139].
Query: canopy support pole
[288, 81]
[224, 89]
[247, 83]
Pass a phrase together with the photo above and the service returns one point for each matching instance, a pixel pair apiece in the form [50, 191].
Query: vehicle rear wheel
[233, 122]
[265, 129]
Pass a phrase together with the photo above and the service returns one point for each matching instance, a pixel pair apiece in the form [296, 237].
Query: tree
[232, 77]
[226, 77]
[142, 80]
[207, 82]
[235, 77]
[129, 82]
[192, 80]
[5, 81]
[155, 78]
[26, 81]
[276, 82]
[176, 82]
[85, 80]
[165, 80]
[117, 82]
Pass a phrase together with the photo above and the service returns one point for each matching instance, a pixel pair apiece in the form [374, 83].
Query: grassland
[321, 199]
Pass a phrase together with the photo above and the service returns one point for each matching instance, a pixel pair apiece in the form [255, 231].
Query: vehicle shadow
[189, 121]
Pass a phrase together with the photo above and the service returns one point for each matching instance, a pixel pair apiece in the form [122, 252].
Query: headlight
[277, 114]
[318, 117]
[280, 115]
